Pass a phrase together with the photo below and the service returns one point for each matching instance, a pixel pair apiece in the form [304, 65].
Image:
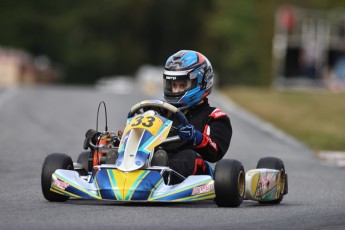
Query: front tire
[229, 183]
[53, 162]
[277, 164]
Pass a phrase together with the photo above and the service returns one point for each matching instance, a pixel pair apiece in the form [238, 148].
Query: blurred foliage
[90, 39]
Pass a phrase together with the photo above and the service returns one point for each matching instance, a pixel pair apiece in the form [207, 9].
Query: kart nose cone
[118, 185]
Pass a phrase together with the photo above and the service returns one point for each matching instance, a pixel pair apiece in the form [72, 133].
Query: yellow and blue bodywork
[132, 178]
[139, 185]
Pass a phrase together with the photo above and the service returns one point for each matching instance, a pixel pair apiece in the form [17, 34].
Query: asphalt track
[40, 120]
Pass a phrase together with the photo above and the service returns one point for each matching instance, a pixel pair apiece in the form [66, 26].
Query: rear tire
[83, 159]
[277, 164]
[229, 183]
[53, 162]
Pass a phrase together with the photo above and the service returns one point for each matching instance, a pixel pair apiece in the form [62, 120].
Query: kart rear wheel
[277, 164]
[53, 162]
[83, 159]
[229, 183]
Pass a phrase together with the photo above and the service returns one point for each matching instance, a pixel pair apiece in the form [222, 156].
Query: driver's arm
[216, 138]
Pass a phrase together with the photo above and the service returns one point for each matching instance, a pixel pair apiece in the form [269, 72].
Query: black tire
[275, 163]
[83, 159]
[229, 183]
[53, 162]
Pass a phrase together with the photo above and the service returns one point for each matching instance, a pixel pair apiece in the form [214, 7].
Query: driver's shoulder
[216, 113]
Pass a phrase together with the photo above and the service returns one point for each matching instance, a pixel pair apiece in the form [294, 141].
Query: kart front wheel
[229, 183]
[53, 162]
[277, 164]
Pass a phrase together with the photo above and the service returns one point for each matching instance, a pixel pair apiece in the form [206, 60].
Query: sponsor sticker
[217, 113]
[60, 184]
[266, 183]
[203, 189]
[170, 78]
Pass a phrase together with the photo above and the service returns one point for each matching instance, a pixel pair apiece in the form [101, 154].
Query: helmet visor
[178, 82]
[179, 86]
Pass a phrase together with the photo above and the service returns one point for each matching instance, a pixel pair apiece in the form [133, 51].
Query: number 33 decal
[146, 121]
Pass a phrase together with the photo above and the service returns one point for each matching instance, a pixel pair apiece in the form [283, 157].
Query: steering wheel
[161, 105]
[158, 104]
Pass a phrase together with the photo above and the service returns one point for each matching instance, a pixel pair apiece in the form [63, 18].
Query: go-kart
[127, 173]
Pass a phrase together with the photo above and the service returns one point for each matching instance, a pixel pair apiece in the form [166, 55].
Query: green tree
[91, 39]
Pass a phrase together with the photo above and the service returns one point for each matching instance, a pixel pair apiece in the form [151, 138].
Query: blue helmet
[196, 73]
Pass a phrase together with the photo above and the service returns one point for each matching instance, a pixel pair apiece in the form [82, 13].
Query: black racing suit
[215, 126]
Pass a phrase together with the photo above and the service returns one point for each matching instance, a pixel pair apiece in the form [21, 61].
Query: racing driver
[188, 79]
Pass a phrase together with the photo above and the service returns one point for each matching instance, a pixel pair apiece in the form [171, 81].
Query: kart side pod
[264, 184]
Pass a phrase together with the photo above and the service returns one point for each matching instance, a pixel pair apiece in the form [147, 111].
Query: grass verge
[315, 118]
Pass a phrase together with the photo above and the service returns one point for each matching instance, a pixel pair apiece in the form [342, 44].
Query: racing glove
[190, 133]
